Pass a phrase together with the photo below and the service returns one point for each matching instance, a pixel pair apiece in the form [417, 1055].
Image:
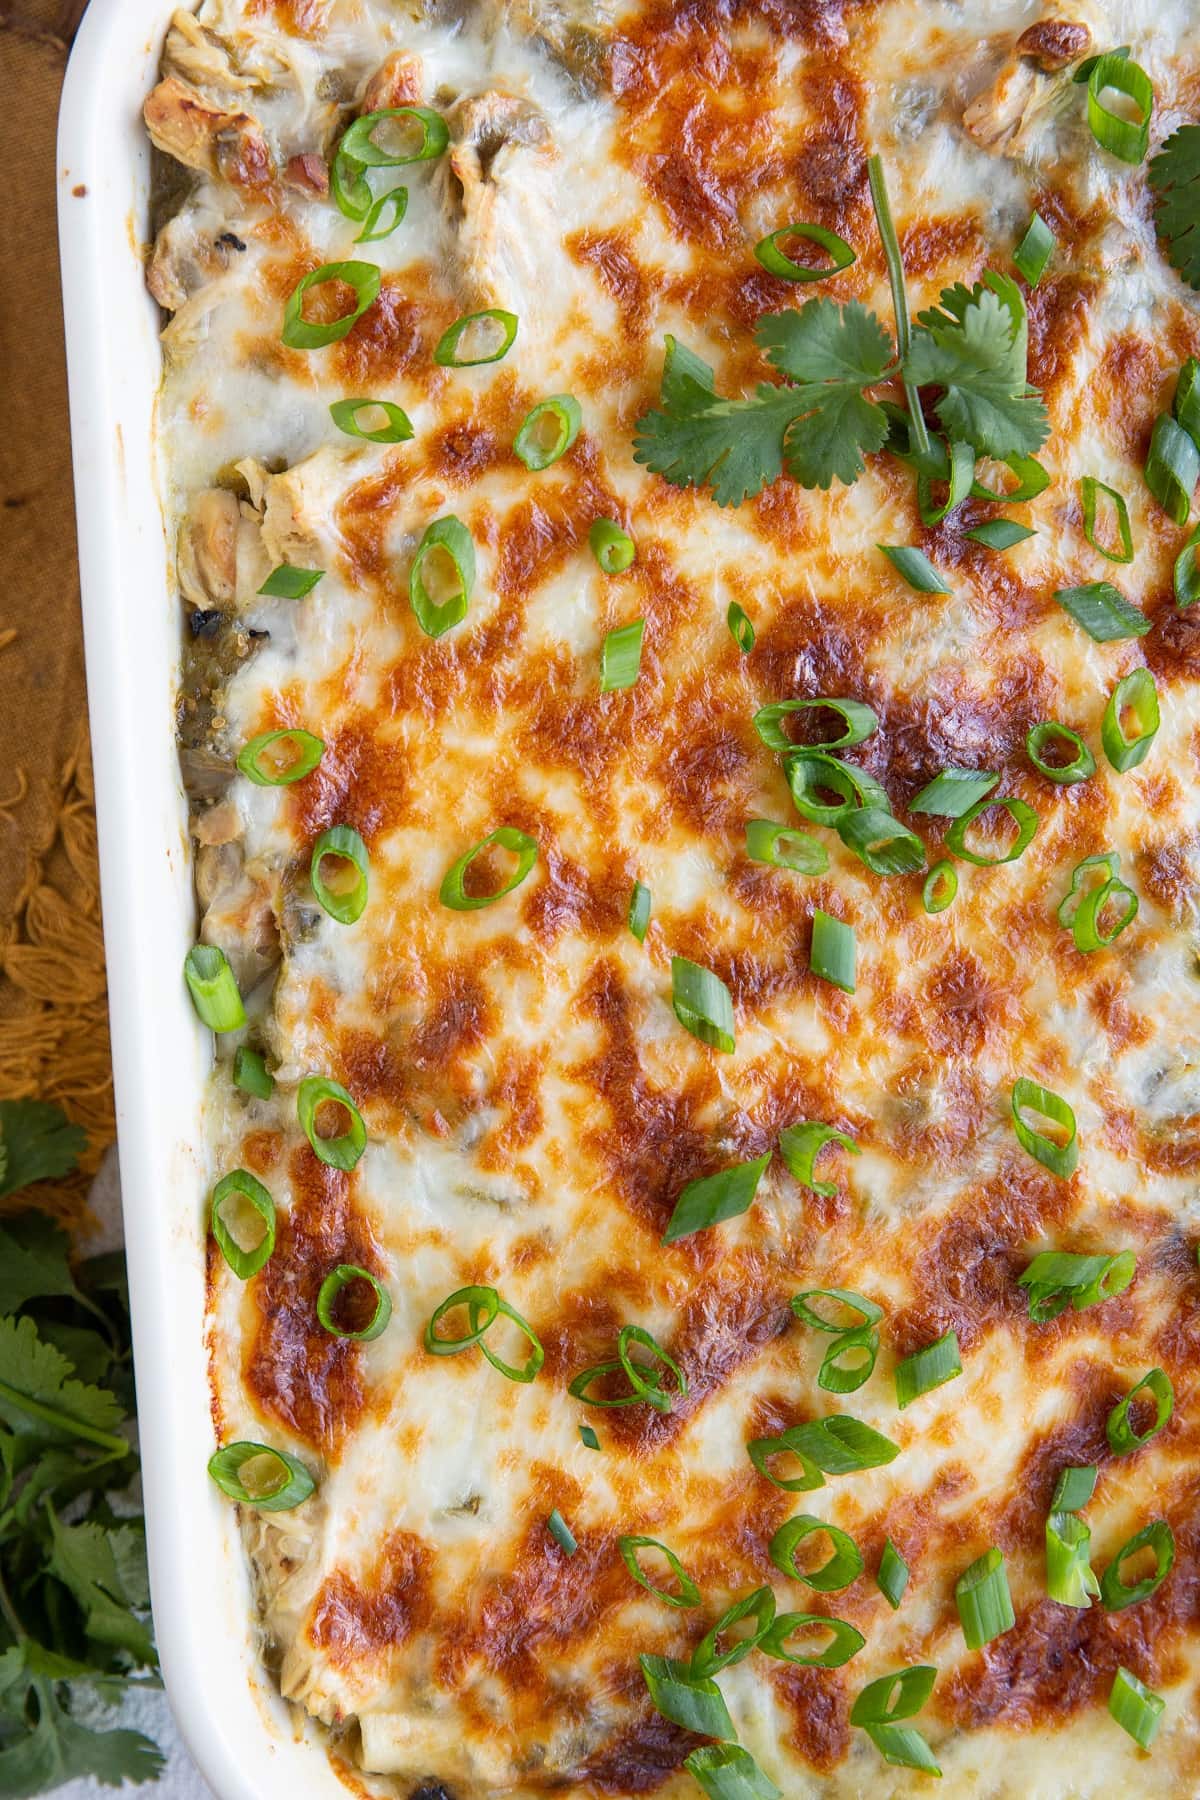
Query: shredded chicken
[208, 549]
[297, 501]
[222, 141]
[216, 826]
[1008, 114]
[192, 249]
[496, 186]
[240, 916]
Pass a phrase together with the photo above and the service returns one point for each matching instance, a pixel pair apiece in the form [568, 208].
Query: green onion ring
[398, 429]
[844, 1565]
[940, 886]
[331, 1287]
[1081, 767]
[340, 1152]
[648, 1389]
[446, 353]
[773, 260]
[300, 333]
[244, 1263]
[847, 1641]
[482, 1303]
[760, 1606]
[293, 1485]
[1022, 815]
[344, 843]
[689, 1593]
[452, 892]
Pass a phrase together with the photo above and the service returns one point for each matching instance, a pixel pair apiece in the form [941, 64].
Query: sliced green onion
[453, 893]
[903, 1747]
[912, 1688]
[561, 1532]
[800, 1146]
[548, 431]
[1186, 402]
[858, 719]
[862, 1346]
[344, 1276]
[727, 1772]
[1040, 738]
[1121, 136]
[588, 1437]
[760, 1606]
[640, 902]
[1135, 1707]
[782, 848]
[398, 429]
[642, 1380]
[349, 186]
[693, 1701]
[703, 1004]
[277, 758]
[762, 1450]
[390, 208]
[689, 1593]
[528, 1369]
[915, 568]
[358, 143]
[1060, 1157]
[1034, 250]
[985, 1606]
[1070, 1578]
[612, 548]
[1056, 1279]
[1023, 816]
[245, 1243]
[213, 989]
[1172, 466]
[1122, 1438]
[840, 1445]
[621, 657]
[1081, 71]
[1090, 488]
[1074, 1488]
[845, 1640]
[953, 791]
[832, 955]
[448, 553]
[300, 333]
[927, 1369]
[1117, 1594]
[289, 583]
[258, 1476]
[1136, 693]
[999, 534]
[446, 354]
[881, 842]
[1032, 480]
[741, 629]
[866, 1311]
[892, 1578]
[813, 772]
[773, 260]
[1086, 927]
[346, 899]
[251, 1074]
[959, 474]
[844, 1565]
[725, 1195]
[582, 1382]
[481, 1304]
[940, 886]
[343, 1151]
[1186, 579]
[1105, 865]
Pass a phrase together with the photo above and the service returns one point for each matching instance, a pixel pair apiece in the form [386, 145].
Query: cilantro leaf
[105, 1569]
[39, 1397]
[1174, 174]
[974, 346]
[33, 1261]
[819, 424]
[36, 1143]
[53, 1747]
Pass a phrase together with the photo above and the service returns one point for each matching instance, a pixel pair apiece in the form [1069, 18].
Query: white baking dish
[241, 1734]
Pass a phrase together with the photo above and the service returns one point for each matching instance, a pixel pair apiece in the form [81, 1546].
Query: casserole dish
[237, 1729]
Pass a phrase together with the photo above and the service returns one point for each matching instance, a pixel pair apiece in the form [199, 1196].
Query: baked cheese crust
[533, 1105]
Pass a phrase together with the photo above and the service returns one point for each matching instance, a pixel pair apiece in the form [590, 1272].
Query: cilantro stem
[9, 1612]
[918, 435]
[35, 1409]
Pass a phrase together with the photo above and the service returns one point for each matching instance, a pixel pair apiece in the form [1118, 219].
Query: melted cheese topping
[533, 1105]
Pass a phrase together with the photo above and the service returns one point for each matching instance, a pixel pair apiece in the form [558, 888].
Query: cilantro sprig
[1174, 174]
[74, 1600]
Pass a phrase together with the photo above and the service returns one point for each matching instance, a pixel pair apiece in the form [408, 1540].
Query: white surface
[238, 1730]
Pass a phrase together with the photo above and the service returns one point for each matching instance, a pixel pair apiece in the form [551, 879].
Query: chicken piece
[296, 502]
[192, 249]
[240, 916]
[208, 549]
[308, 174]
[200, 56]
[221, 141]
[496, 189]
[1053, 43]
[398, 81]
[1006, 115]
[216, 826]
